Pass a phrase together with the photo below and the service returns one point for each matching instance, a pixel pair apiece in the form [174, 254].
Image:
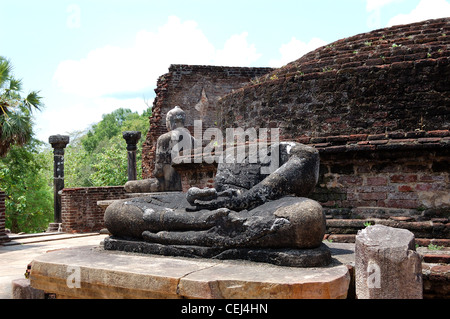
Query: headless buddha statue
[245, 211]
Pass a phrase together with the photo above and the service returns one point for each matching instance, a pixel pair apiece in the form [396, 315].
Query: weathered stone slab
[91, 272]
[387, 265]
[234, 280]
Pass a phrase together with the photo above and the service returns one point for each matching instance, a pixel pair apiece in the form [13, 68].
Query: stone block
[21, 289]
[387, 265]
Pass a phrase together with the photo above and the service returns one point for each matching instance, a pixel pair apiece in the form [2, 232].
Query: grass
[435, 247]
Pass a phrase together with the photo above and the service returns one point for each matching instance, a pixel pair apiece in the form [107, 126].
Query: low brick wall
[405, 171]
[3, 236]
[79, 209]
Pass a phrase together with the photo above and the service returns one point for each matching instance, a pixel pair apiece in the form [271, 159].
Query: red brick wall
[3, 236]
[79, 209]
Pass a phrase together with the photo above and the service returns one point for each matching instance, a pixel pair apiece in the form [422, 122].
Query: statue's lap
[183, 231]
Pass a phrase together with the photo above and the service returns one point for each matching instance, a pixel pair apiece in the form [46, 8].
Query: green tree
[107, 128]
[15, 110]
[23, 169]
[110, 167]
[24, 178]
[77, 163]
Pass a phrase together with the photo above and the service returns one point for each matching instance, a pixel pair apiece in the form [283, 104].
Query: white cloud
[378, 4]
[295, 49]
[237, 52]
[111, 69]
[78, 116]
[426, 9]
[110, 77]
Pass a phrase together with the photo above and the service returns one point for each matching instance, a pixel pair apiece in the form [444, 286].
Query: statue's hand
[195, 194]
[222, 202]
[231, 192]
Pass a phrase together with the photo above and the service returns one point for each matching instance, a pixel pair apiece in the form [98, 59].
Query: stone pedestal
[91, 272]
[387, 265]
[309, 257]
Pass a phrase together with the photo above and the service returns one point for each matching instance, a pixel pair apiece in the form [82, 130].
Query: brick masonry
[404, 171]
[436, 280]
[79, 209]
[398, 180]
[196, 175]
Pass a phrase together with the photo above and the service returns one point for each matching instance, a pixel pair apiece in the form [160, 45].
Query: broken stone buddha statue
[248, 215]
[166, 177]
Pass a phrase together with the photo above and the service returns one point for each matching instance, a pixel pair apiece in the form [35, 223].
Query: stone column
[131, 137]
[3, 236]
[58, 142]
[387, 265]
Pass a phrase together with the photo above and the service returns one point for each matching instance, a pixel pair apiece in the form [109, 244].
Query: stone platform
[91, 272]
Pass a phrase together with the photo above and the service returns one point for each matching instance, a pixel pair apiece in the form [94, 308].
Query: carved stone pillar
[58, 142]
[131, 137]
[3, 236]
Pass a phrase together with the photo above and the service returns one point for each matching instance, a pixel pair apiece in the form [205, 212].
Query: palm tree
[15, 111]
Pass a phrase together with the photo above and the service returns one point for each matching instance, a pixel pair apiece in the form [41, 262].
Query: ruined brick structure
[196, 89]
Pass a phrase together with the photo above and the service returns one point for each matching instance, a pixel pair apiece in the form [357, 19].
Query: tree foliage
[24, 176]
[15, 110]
[23, 169]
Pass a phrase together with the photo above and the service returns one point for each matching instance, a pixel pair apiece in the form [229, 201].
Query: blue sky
[91, 57]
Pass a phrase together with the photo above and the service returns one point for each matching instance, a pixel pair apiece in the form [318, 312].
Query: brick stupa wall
[389, 80]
